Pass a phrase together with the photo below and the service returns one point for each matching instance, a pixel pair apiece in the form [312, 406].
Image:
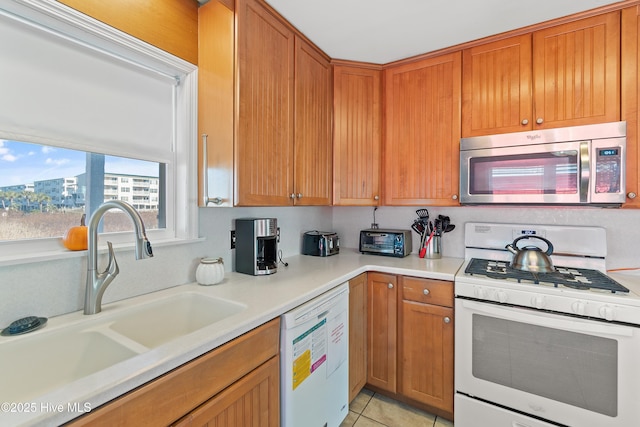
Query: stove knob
[538, 301]
[480, 293]
[578, 307]
[501, 296]
[606, 312]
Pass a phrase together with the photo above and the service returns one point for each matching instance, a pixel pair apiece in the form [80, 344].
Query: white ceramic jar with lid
[210, 271]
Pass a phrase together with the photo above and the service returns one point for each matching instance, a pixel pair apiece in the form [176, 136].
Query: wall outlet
[233, 239]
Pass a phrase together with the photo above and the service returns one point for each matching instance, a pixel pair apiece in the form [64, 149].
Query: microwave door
[532, 174]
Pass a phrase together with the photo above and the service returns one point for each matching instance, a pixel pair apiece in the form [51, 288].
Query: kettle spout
[511, 249]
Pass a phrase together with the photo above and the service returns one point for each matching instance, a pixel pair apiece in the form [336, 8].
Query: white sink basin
[159, 322]
[32, 366]
[35, 364]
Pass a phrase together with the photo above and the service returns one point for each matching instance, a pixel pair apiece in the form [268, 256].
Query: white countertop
[266, 297]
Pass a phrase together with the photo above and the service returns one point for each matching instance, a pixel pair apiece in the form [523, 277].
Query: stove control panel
[597, 305]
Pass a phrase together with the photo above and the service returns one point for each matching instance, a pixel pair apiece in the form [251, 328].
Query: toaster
[320, 243]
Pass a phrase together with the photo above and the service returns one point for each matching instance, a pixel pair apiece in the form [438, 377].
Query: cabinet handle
[390, 285]
[447, 320]
[539, 120]
[631, 195]
[376, 197]
[292, 196]
[426, 291]
[205, 175]
[454, 197]
[525, 122]
[299, 196]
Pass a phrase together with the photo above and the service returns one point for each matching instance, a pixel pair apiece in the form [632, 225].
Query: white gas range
[544, 349]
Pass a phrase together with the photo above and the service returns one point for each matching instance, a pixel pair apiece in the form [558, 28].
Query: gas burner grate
[575, 278]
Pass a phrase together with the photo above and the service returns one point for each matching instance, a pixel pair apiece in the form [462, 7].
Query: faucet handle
[112, 265]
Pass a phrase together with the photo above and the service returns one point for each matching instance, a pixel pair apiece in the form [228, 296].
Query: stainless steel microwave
[577, 165]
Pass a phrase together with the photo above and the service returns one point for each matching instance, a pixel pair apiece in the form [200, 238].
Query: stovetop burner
[575, 278]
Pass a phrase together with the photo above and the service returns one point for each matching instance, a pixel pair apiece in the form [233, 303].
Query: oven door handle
[557, 322]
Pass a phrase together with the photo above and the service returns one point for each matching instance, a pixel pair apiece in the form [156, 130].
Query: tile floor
[371, 409]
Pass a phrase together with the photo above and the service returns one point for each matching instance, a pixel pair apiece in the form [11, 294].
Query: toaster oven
[396, 243]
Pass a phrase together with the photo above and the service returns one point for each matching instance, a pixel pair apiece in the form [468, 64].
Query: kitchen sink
[34, 365]
[159, 322]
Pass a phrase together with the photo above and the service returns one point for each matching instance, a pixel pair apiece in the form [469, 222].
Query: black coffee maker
[257, 246]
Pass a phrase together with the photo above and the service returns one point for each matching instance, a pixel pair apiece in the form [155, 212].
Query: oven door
[539, 174]
[563, 369]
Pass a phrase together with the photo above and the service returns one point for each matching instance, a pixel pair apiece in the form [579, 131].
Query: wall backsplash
[622, 225]
[56, 287]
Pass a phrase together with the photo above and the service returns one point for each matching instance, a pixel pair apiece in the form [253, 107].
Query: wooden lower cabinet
[381, 330]
[410, 340]
[231, 385]
[252, 401]
[357, 334]
[426, 342]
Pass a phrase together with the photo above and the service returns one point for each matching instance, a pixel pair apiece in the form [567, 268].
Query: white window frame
[182, 213]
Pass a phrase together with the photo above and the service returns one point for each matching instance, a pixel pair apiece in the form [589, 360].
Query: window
[78, 86]
[44, 191]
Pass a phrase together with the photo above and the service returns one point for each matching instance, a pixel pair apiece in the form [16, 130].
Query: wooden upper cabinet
[215, 102]
[565, 75]
[357, 135]
[576, 69]
[496, 87]
[422, 140]
[312, 136]
[264, 134]
[631, 99]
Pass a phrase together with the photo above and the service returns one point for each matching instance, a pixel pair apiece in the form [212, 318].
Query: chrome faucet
[98, 282]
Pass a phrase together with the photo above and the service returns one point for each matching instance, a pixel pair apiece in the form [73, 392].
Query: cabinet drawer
[427, 291]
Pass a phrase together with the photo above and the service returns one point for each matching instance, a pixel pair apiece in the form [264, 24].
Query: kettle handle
[549, 244]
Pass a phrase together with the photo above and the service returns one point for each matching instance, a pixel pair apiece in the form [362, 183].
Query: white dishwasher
[314, 357]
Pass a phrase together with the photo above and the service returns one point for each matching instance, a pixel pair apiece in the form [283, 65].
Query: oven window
[569, 367]
[540, 173]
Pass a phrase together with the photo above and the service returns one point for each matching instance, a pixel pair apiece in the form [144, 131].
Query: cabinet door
[631, 99]
[381, 330]
[252, 401]
[496, 87]
[357, 135]
[426, 352]
[215, 101]
[576, 72]
[312, 139]
[422, 140]
[264, 144]
[357, 334]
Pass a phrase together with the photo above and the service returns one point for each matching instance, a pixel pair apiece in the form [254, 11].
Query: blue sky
[22, 163]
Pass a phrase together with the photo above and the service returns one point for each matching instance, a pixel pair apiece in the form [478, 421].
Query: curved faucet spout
[97, 282]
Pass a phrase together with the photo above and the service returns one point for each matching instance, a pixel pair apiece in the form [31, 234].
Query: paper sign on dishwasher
[309, 352]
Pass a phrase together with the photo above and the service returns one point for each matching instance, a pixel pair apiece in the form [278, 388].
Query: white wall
[622, 225]
[56, 287]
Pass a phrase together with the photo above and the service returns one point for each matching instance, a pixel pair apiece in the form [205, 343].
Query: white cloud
[56, 162]
[8, 157]
[47, 150]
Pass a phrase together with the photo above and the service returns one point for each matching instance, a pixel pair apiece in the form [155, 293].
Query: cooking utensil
[531, 258]
[422, 213]
[418, 227]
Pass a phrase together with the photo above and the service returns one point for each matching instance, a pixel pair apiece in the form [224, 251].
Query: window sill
[63, 254]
